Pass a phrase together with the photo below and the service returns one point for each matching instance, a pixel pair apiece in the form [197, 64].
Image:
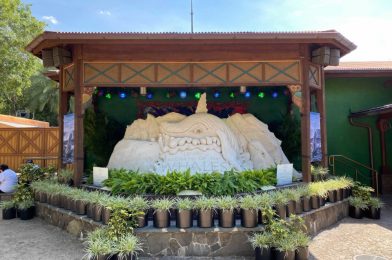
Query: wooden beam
[63, 108]
[79, 129]
[305, 114]
[320, 95]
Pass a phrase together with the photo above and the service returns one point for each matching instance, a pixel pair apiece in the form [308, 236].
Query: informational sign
[99, 175]
[68, 139]
[315, 137]
[284, 174]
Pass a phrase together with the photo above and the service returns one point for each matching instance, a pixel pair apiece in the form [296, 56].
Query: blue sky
[367, 23]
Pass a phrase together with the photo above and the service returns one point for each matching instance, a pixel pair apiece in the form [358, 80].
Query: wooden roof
[360, 69]
[20, 122]
[50, 39]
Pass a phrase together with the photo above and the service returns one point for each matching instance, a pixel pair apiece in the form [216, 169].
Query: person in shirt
[8, 179]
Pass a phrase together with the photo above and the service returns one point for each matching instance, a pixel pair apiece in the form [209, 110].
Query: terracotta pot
[283, 255]
[281, 211]
[90, 210]
[142, 221]
[249, 218]
[290, 208]
[9, 213]
[306, 204]
[97, 212]
[204, 218]
[106, 213]
[373, 213]
[184, 218]
[332, 195]
[226, 218]
[299, 206]
[302, 253]
[355, 212]
[315, 202]
[81, 207]
[339, 194]
[161, 219]
[263, 253]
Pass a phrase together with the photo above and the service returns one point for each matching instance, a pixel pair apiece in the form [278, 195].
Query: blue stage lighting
[183, 94]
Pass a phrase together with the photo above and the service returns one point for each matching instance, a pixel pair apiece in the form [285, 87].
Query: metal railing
[354, 165]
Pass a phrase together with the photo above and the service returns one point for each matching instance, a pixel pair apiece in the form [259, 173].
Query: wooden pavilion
[152, 60]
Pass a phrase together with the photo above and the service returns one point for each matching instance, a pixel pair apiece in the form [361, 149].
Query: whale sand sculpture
[200, 142]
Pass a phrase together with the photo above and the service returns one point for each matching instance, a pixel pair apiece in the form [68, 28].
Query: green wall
[353, 94]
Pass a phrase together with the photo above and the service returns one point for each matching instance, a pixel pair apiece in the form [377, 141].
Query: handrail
[331, 162]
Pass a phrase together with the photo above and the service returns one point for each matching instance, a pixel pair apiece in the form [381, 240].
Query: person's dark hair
[3, 167]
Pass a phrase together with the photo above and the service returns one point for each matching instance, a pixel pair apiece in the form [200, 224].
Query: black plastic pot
[142, 221]
[302, 253]
[205, 219]
[161, 219]
[106, 257]
[282, 255]
[322, 201]
[355, 212]
[184, 218]
[106, 213]
[128, 257]
[26, 214]
[263, 253]
[299, 206]
[339, 194]
[281, 211]
[306, 204]
[290, 208]
[373, 213]
[332, 196]
[97, 213]
[90, 210]
[315, 202]
[346, 193]
[249, 218]
[226, 218]
[9, 213]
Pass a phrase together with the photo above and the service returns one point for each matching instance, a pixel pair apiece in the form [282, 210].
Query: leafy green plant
[300, 239]
[279, 198]
[357, 202]
[204, 203]
[26, 204]
[162, 204]
[184, 204]
[118, 224]
[319, 173]
[65, 176]
[138, 204]
[249, 202]
[375, 203]
[8, 204]
[303, 191]
[98, 244]
[285, 244]
[318, 189]
[261, 240]
[127, 245]
[361, 191]
[227, 203]
[292, 194]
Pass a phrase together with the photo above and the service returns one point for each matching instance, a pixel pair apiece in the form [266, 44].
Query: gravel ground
[36, 240]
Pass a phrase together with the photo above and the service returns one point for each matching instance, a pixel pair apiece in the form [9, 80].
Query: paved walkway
[36, 240]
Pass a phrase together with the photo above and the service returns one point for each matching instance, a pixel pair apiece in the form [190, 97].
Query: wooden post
[63, 109]
[305, 114]
[79, 129]
[320, 95]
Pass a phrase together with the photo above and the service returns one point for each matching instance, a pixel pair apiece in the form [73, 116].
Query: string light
[232, 95]
[274, 94]
[261, 95]
[183, 94]
[197, 95]
[100, 93]
[122, 95]
[247, 94]
[108, 96]
[149, 95]
[216, 94]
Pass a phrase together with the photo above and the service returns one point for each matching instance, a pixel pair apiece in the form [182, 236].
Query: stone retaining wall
[202, 242]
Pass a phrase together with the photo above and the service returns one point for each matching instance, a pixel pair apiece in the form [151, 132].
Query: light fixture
[122, 94]
[232, 95]
[183, 94]
[197, 95]
[242, 89]
[216, 94]
[108, 96]
[261, 94]
[247, 94]
[143, 91]
[149, 95]
[275, 94]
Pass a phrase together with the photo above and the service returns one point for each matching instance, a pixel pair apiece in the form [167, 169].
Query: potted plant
[9, 210]
[26, 209]
[127, 247]
[347, 185]
[284, 248]
[161, 212]
[249, 210]
[99, 246]
[205, 207]
[226, 206]
[302, 244]
[319, 173]
[261, 243]
[374, 208]
[65, 176]
[99, 205]
[265, 204]
[139, 204]
[304, 204]
[184, 213]
[280, 202]
[356, 208]
[92, 199]
[294, 198]
[317, 194]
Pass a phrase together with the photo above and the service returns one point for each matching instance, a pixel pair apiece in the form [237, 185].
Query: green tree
[17, 28]
[43, 98]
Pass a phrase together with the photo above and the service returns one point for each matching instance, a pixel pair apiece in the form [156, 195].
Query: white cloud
[104, 12]
[51, 19]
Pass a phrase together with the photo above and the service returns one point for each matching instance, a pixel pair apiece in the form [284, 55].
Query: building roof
[381, 110]
[361, 66]
[50, 39]
[20, 122]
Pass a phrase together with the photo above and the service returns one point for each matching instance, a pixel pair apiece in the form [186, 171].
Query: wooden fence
[19, 144]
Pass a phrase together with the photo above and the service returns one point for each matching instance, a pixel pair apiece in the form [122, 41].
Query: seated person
[8, 179]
